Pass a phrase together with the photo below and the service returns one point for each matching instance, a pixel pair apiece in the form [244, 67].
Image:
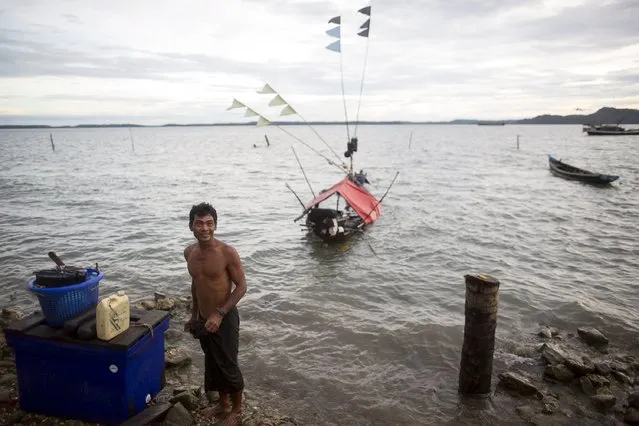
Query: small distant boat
[608, 130]
[491, 123]
[566, 171]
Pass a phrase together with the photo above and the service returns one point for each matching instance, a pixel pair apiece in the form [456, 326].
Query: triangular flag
[364, 33]
[335, 46]
[266, 89]
[278, 100]
[366, 24]
[262, 121]
[288, 110]
[333, 32]
[250, 113]
[365, 10]
[236, 104]
[336, 20]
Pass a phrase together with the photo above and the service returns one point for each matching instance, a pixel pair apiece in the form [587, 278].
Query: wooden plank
[148, 415]
[24, 324]
[137, 329]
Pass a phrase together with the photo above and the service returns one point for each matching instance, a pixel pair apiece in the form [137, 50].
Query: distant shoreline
[322, 123]
[605, 115]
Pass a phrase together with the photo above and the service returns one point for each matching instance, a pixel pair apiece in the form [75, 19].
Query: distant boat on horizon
[491, 123]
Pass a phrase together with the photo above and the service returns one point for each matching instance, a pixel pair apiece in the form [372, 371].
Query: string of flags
[336, 46]
[278, 100]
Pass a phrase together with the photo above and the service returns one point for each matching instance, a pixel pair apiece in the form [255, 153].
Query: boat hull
[632, 132]
[566, 171]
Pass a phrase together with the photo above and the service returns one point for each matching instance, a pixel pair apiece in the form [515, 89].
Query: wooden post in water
[476, 368]
[517, 142]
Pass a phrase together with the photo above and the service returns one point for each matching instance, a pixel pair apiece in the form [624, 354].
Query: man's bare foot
[233, 418]
[215, 411]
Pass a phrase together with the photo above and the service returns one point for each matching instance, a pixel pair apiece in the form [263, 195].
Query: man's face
[203, 227]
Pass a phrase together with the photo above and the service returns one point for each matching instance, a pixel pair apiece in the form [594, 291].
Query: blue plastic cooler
[93, 381]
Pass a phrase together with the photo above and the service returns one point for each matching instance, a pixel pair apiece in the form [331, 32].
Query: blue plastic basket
[63, 303]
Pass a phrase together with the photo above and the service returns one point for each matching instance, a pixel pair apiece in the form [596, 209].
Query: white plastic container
[112, 316]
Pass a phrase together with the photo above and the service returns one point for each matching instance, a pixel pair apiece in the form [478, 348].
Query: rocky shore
[181, 402]
[564, 377]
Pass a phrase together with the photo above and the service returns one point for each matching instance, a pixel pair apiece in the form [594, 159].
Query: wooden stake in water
[482, 300]
[52, 144]
[132, 144]
[517, 142]
[410, 139]
[267, 142]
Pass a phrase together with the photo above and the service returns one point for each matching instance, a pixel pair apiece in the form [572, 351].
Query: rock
[167, 304]
[621, 378]
[174, 358]
[633, 399]
[187, 399]
[580, 367]
[554, 331]
[621, 367]
[526, 412]
[16, 417]
[172, 335]
[602, 368]
[178, 416]
[158, 296]
[148, 304]
[586, 386]
[559, 372]
[632, 416]
[545, 332]
[552, 354]
[550, 405]
[212, 396]
[5, 396]
[603, 402]
[8, 379]
[592, 336]
[518, 383]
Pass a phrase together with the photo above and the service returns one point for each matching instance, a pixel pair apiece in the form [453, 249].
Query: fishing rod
[303, 172]
[380, 201]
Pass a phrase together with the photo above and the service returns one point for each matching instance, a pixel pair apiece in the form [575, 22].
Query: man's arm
[194, 310]
[236, 273]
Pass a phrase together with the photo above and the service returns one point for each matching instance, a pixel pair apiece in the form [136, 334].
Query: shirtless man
[214, 267]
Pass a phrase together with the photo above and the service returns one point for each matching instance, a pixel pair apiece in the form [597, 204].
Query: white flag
[266, 89]
[288, 110]
[250, 113]
[278, 100]
[262, 122]
[236, 104]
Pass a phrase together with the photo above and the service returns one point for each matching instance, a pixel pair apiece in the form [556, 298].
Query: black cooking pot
[61, 276]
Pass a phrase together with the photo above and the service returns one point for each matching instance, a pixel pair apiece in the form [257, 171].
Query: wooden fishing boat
[566, 171]
[609, 130]
[331, 222]
[335, 224]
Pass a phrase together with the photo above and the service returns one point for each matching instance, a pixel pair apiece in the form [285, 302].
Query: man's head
[203, 221]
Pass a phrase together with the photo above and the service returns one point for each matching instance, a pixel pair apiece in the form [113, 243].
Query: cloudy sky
[160, 61]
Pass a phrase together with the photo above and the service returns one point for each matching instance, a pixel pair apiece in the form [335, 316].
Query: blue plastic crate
[63, 303]
[90, 381]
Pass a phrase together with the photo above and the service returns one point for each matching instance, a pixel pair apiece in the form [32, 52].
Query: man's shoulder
[227, 248]
[189, 249]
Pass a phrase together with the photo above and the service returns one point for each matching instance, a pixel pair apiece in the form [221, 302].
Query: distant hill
[605, 115]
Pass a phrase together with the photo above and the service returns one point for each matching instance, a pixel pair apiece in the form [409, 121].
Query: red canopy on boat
[356, 196]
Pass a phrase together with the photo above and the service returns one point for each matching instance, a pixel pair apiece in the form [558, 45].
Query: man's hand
[213, 323]
[189, 323]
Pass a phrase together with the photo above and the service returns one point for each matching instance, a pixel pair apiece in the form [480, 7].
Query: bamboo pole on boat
[482, 301]
[303, 172]
[380, 200]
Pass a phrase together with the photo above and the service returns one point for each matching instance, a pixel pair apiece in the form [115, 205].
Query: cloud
[426, 60]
